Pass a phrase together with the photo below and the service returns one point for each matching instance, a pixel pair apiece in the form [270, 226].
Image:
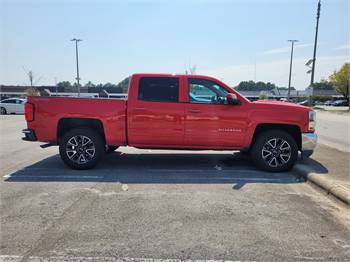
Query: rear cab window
[159, 89]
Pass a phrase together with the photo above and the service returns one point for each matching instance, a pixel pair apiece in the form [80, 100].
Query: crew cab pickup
[168, 111]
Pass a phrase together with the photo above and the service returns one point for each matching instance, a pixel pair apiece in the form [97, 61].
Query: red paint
[167, 125]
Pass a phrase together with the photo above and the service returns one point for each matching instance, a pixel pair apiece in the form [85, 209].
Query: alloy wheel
[80, 149]
[276, 152]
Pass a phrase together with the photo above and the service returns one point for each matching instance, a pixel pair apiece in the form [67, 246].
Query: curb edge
[318, 179]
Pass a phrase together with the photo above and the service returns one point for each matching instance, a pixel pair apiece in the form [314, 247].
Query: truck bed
[49, 111]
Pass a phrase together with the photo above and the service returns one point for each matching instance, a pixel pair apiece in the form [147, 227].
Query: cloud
[284, 49]
[278, 71]
[347, 46]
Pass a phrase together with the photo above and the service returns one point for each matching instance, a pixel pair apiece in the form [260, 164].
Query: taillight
[29, 112]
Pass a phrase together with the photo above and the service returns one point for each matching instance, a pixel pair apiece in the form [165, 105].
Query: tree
[340, 80]
[255, 86]
[246, 86]
[263, 96]
[64, 84]
[193, 69]
[31, 77]
[31, 92]
[124, 84]
[89, 84]
[322, 85]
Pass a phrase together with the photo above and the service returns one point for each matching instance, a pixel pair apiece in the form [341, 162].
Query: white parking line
[13, 258]
[52, 177]
[207, 170]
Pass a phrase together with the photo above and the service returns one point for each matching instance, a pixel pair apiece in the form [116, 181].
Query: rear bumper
[29, 135]
[308, 143]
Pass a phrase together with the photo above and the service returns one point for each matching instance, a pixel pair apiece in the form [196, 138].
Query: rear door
[155, 114]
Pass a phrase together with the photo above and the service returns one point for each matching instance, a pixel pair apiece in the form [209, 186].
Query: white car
[12, 106]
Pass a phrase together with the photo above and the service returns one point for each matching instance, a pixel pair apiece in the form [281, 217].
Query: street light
[314, 55]
[77, 58]
[315, 43]
[309, 65]
[290, 67]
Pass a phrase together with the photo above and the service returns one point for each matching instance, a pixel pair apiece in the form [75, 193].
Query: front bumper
[308, 143]
[29, 135]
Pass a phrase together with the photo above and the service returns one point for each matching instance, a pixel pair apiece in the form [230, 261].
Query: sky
[234, 41]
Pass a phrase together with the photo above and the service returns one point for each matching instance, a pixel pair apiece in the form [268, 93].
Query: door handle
[195, 111]
[140, 109]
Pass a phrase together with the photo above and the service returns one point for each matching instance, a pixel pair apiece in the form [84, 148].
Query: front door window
[202, 91]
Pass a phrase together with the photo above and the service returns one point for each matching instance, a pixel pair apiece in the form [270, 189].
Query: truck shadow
[313, 166]
[157, 168]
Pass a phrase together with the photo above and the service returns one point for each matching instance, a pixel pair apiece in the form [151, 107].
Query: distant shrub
[31, 92]
[263, 96]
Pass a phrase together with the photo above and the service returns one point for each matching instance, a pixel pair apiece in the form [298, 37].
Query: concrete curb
[324, 183]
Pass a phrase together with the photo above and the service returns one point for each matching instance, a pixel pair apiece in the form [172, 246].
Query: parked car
[328, 103]
[341, 103]
[162, 112]
[318, 103]
[304, 103]
[12, 106]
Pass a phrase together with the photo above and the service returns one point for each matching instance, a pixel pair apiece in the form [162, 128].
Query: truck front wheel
[275, 151]
[81, 148]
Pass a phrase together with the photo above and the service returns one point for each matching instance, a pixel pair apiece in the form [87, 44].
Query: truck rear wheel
[81, 148]
[275, 151]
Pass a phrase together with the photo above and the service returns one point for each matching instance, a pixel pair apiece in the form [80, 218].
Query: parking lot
[158, 204]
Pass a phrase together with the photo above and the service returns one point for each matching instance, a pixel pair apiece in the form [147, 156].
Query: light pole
[56, 86]
[77, 58]
[314, 56]
[315, 44]
[290, 67]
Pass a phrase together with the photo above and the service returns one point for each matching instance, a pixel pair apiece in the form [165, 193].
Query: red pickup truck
[168, 111]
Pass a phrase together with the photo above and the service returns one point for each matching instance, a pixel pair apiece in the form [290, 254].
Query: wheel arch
[292, 130]
[66, 124]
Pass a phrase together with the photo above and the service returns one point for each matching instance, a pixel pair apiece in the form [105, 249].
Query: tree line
[121, 87]
[338, 81]
[258, 86]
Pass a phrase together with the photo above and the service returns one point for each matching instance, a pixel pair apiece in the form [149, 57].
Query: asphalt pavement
[333, 129]
[149, 204]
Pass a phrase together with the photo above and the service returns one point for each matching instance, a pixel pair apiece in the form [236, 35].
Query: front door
[209, 121]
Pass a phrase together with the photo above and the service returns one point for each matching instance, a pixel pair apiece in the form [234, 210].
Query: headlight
[312, 120]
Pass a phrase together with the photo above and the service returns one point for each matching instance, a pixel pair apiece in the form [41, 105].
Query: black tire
[111, 149]
[3, 111]
[245, 152]
[279, 158]
[75, 154]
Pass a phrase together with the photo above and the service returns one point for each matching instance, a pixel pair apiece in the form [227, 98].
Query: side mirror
[232, 99]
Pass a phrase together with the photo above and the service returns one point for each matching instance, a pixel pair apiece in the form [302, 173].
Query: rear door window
[159, 89]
